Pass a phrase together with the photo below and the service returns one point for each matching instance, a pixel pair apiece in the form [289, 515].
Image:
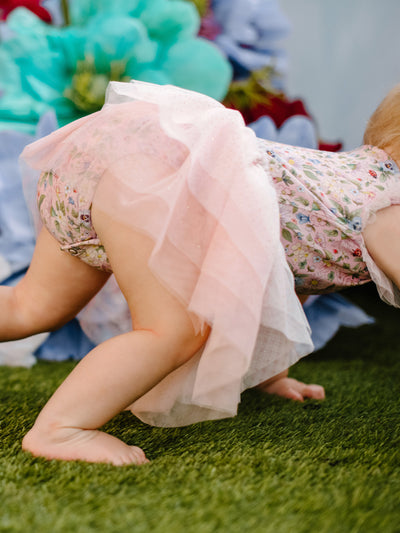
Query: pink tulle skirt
[185, 170]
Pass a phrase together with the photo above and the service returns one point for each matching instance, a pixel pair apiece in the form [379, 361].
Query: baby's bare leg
[119, 371]
[54, 289]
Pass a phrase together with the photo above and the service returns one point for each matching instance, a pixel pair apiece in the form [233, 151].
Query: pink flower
[209, 28]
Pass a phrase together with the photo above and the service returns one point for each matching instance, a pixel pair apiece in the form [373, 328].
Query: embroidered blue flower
[389, 165]
[355, 224]
[302, 218]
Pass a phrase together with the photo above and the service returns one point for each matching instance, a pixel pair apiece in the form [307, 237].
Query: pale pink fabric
[326, 201]
[185, 170]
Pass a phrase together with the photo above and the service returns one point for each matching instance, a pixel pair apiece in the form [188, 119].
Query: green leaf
[293, 226]
[41, 199]
[287, 235]
[57, 225]
[303, 201]
[311, 175]
[338, 207]
[331, 232]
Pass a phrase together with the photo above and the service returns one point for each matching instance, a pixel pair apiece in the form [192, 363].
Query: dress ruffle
[186, 171]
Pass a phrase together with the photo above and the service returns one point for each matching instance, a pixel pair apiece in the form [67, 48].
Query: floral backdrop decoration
[67, 68]
[56, 59]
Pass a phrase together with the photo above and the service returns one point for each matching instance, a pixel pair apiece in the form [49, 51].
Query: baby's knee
[15, 322]
[29, 315]
[184, 341]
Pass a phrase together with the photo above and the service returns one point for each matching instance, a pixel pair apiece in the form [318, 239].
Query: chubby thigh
[152, 306]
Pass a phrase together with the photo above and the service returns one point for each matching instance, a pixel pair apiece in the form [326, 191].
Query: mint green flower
[68, 69]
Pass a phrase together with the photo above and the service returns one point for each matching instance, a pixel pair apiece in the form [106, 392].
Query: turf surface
[278, 467]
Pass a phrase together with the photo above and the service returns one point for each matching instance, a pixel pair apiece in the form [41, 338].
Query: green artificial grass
[278, 467]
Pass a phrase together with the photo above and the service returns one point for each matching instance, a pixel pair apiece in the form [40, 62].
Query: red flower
[373, 173]
[278, 108]
[330, 147]
[357, 252]
[6, 6]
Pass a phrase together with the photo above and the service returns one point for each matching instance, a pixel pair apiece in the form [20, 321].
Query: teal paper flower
[68, 68]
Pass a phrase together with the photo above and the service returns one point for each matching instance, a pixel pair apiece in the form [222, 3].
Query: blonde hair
[383, 128]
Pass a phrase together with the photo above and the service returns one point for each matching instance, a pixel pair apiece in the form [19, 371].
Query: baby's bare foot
[73, 444]
[293, 389]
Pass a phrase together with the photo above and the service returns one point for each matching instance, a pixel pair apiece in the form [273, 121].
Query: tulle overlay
[180, 167]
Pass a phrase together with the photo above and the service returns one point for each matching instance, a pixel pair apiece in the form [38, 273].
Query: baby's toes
[315, 392]
[138, 455]
[291, 393]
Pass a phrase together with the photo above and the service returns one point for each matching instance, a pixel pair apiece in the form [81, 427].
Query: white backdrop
[344, 56]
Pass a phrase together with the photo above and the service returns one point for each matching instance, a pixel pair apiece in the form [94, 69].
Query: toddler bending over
[203, 227]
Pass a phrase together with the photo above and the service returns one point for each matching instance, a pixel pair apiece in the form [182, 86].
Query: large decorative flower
[68, 69]
[250, 35]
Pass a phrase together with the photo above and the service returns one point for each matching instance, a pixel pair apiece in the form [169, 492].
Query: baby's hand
[292, 389]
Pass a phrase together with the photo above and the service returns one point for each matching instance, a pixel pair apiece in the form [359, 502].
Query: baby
[171, 193]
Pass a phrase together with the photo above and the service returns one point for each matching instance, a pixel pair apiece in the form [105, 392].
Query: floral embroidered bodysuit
[325, 200]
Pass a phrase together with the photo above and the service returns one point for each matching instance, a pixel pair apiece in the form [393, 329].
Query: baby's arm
[382, 239]
[292, 389]
[55, 288]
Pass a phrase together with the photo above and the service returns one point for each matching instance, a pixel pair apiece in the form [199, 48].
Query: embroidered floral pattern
[66, 213]
[324, 198]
